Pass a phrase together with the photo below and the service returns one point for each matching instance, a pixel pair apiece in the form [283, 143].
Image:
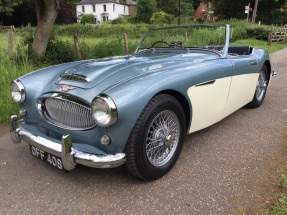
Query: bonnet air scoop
[74, 77]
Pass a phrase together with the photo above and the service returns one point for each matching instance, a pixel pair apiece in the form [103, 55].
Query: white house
[104, 10]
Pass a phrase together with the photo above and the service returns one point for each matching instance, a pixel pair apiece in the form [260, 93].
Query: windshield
[211, 37]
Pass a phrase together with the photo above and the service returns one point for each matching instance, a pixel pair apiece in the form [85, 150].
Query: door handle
[253, 63]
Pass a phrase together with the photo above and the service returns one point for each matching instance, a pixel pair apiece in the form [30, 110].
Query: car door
[243, 83]
[208, 97]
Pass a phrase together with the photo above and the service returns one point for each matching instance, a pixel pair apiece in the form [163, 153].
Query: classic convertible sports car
[137, 109]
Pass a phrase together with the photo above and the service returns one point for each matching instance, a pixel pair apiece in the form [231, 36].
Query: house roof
[101, 1]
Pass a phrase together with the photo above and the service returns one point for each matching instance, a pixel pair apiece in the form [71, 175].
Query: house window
[105, 18]
[124, 9]
[105, 8]
[94, 8]
[114, 7]
[83, 9]
[203, 7]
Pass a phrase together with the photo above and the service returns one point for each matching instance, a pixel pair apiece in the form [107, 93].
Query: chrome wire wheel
[162, 138]
[157, 138]
[261, 86]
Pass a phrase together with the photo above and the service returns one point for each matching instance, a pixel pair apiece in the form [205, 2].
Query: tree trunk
[47, 11]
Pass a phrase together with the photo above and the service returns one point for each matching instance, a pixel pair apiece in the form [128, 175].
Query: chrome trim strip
[70, 156]
[21, 89]
[113, 109]
[205, 83]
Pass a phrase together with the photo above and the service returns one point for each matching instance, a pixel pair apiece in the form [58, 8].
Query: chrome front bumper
[70, 156]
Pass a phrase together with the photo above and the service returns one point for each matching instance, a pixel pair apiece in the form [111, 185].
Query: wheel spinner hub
[164, 137]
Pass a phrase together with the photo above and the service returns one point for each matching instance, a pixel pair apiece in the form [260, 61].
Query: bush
[132, 19]
[108, 48]
[87, 18]
[258, 32]
[161, 18]
[238, 33]
[100, 30]
[120, 21]
[241, 29]
[59, 51]
[107, 40]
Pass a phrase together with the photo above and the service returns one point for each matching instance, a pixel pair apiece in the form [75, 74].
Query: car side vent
[74, 77]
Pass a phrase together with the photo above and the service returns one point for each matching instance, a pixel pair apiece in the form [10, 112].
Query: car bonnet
[110, 71]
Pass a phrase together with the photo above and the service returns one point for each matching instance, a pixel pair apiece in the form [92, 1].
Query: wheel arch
[184, 103]
[268, 65]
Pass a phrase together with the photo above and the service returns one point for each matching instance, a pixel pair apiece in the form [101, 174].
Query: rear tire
[261, 88]
[157, 138]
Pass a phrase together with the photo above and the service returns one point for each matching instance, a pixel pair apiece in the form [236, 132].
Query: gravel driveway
[232, 167]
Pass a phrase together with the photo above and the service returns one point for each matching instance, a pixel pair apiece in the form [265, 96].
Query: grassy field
[9, 70]
[18, 65]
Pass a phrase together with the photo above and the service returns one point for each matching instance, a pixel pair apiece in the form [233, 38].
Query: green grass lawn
[261, 44]
[4, 40]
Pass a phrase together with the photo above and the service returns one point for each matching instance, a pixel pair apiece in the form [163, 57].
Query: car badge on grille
[66, 88]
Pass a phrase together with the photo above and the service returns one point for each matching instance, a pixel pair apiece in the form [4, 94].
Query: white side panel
[241, 92]
[208, 103]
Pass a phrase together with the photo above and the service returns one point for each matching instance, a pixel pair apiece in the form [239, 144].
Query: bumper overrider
[70, 156]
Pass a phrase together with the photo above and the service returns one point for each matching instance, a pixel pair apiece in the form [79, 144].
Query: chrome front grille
[67, 114]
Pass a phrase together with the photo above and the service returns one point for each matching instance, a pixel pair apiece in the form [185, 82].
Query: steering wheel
[160, 41]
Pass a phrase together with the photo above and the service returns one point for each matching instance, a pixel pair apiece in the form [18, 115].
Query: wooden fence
[7, 28]
[278, 34]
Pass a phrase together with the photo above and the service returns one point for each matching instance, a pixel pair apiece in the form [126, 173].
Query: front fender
[132, 97]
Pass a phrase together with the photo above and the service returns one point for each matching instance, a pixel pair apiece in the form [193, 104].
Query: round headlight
[17, 91]
[104, 111]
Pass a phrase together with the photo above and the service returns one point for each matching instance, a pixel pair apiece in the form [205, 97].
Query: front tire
[261, 88]
[157, 138]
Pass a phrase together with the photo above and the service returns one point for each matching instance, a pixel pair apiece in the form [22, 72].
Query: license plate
[47, 157]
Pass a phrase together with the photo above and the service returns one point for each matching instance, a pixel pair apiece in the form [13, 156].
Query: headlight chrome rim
[18, 90]
[109, 113]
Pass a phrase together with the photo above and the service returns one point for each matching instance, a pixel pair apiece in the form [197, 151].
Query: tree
[67, 13]
[88, 18]
[226, 9]
[161, 17]
[186, 10]
[25, 14]
[47, 11]
[145, 9]
[171, 7]
[168, 6]
[7, 7]
[269, 9]
[22, 15]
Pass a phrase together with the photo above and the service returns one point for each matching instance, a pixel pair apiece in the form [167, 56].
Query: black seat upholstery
[240, 50]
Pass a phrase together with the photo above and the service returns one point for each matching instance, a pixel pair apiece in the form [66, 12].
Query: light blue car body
[131, 81]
